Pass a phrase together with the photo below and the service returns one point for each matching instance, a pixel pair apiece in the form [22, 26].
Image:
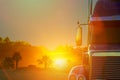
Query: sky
[48, 23]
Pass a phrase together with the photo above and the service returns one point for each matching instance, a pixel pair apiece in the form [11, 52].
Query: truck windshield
[107, 32]
[106, 7]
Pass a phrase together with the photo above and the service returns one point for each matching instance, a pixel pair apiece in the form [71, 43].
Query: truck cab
[102, 61]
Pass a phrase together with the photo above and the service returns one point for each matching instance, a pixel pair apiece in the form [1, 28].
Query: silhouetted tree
[7, 40]
[44, 60]
[16, 57]
[1, 39]
[8, 63]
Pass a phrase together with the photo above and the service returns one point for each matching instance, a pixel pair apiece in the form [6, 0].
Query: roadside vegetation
[22, 61]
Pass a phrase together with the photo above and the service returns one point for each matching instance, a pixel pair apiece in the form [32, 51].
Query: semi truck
[102, 59]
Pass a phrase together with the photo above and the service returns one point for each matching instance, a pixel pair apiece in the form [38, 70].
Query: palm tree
[16, 57]
[44, 60]
[8, 63]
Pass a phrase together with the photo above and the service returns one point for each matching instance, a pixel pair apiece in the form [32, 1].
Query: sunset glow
[40, 39]
[60, 63]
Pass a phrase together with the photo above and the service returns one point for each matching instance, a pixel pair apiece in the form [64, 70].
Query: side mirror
[79, 35]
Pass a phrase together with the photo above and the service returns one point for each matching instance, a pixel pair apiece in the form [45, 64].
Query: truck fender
[77, 72]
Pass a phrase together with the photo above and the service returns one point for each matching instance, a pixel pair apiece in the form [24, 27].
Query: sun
[60, 63]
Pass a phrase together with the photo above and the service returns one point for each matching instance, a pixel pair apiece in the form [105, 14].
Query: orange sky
[42, 22]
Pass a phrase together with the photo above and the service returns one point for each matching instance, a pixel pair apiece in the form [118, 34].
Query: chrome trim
[108, 18]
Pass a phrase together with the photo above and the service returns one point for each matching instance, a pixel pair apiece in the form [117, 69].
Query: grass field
[34, 75]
